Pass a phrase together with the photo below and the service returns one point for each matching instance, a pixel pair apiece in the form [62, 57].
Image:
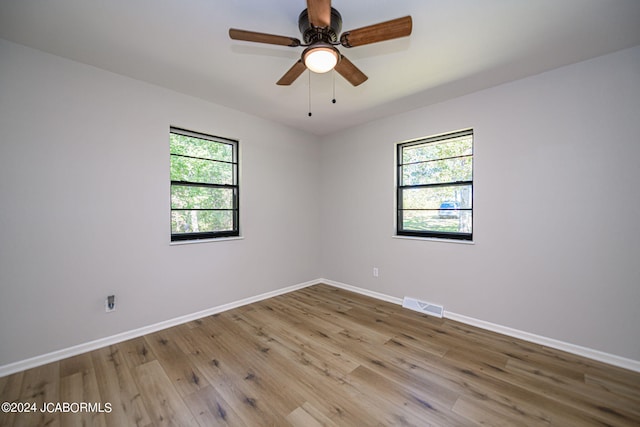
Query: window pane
[432, 221]
[190, 197]
[201, 221]
[196, 147]
[196, 170]
[436, 198]
[433, 172]
[461, 146]
[435, 186]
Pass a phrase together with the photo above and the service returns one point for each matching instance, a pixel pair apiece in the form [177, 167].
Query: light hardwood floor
[325, 356]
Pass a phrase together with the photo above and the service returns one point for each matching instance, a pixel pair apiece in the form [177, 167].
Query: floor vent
[423, 307]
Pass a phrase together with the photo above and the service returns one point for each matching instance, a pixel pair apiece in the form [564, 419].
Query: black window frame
[235, 187]
[400, 187]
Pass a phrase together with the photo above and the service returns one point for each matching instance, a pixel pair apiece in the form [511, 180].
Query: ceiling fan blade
[319, 12]
[293, 73]
[252, 36]
[400, 27]
[350, 72]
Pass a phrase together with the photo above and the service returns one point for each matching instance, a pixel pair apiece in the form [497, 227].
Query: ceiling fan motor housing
[311, 34]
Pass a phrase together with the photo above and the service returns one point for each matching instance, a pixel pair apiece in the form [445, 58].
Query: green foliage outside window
[204, 190]
[435, 186]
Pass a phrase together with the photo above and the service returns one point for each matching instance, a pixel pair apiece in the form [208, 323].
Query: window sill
[433, 239]
[191, 242]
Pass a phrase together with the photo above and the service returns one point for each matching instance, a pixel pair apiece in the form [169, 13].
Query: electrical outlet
[110, 304]
[375, 272]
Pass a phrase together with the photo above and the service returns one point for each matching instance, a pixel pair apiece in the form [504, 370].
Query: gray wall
[557, 207]
[84, 206]
[84, 190]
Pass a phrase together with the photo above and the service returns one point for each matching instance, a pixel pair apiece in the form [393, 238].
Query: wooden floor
[325, 356]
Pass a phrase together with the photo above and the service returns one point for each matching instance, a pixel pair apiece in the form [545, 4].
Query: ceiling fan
[320, 26]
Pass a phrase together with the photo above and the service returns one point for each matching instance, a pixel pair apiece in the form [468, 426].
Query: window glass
[435, 187]
[204, 186]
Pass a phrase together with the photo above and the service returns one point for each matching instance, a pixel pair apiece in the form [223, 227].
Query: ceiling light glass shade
[320, 59]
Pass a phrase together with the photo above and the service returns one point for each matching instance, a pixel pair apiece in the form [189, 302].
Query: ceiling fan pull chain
[309, 93]
[334, 86]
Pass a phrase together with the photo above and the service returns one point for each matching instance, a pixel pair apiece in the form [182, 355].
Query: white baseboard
[54, 356]
[114, 339]
[611, 359]
[362, 291]
[601, 356]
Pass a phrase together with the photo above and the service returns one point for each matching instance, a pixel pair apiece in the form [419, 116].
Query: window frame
[429, 234]
[234, 186]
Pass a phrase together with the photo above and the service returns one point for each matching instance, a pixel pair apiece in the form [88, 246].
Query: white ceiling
[457, 47]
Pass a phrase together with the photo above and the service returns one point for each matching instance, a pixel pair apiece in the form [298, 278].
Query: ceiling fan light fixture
[321, 58]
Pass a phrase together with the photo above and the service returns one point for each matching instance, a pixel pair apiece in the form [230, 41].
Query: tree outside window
[204, 186]
[435, 187]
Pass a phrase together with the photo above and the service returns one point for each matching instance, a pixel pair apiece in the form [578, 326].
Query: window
[204, 186]
[435, 187]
